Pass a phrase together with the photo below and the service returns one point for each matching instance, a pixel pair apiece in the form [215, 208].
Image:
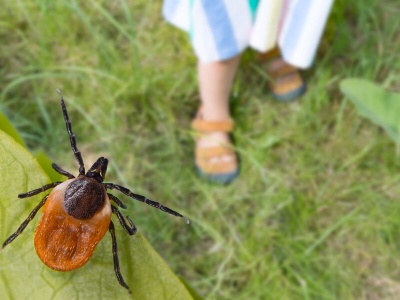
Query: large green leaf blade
[375, 103]
[23, 275]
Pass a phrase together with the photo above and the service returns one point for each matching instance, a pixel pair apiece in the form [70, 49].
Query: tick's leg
[25, 223]
[115, 256]
[141, 198]
[131, 230]
[39, 190]
[72, 136]
[61, 171]
[116, 200]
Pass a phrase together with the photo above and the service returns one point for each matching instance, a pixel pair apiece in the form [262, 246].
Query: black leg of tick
[117, 201]
[39, 190]
[61, 171]
[25, 223]
[141, 198]
[115, 256]
[131, 228]
[72, 137]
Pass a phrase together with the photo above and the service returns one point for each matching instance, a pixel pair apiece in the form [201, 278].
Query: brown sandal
[218, 171]
[286, 81]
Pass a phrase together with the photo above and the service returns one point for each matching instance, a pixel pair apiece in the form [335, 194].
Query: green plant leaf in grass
[191, 290]
[375, 103]
[45, 164]
[7, 127]
[24, 276]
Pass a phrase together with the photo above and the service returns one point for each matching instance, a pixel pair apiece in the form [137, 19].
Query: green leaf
[375, 103]
[7, 127]
[191, 290]
[45, 163]
[24, 276]
[41, 157]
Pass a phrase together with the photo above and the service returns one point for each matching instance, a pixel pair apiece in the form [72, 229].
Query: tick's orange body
[64, 243]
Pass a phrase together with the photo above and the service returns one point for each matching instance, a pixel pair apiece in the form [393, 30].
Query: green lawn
[315, 213]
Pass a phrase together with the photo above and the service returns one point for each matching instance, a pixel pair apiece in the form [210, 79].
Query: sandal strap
[203, 156]
[212, 126]
[209, 152]
[279, 68]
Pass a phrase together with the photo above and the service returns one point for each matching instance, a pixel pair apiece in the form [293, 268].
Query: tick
[77, 214]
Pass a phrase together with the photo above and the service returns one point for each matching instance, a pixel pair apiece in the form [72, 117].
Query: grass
[314, 214]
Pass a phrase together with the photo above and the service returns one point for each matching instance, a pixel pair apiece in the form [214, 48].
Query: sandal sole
[291, 96]
[222, 178]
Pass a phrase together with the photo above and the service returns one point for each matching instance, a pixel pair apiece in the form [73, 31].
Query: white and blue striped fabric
[219, 29]
[222, 29]
[302, 29]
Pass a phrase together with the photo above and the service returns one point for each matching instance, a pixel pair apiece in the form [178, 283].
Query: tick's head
[99, 169]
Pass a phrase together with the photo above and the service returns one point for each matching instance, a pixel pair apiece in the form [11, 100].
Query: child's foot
[215, 158]
[286, 82]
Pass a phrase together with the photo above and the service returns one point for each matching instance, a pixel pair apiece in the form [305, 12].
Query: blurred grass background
[315, 212]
